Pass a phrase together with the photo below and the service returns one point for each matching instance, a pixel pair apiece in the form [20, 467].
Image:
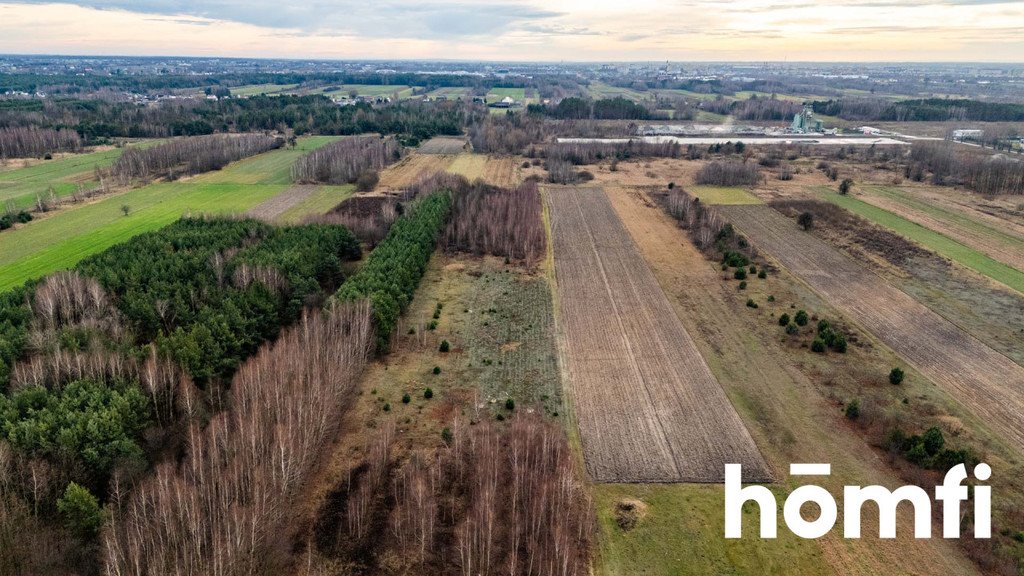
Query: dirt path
[986, 382]
[790, 419]
[273, 208]
[648, 407]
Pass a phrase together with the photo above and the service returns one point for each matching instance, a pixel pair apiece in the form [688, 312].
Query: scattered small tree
[896, 376]
[445, 346]
[853, 409]
[81, 511]
[801, 318]
[429, 392]
[406, 398]
[126, 209]
[806, 220]
[845, 186]
[784, 320]
[510, 404]
[818, 345]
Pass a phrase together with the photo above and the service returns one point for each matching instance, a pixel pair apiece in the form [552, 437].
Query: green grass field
[257, 89]
[497, 94]
[682, 534]
[723, 195]
[940, 244]
[452, 93]
[20, 186]
[61, 240]
[371, 91]
[600, 90]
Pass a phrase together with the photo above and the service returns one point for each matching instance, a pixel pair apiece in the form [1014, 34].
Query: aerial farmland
[282, 322]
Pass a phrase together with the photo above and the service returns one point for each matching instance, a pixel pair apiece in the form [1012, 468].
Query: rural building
[805, 122]
[961, 135]
[506, 102]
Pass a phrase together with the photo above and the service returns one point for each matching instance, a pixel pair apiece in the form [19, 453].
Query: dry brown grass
[412, 169]
[985, 381]
[648, 407]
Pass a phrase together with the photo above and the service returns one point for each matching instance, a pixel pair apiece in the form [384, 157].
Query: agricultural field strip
[933, 240]
[994, 243]
[273, 208]
[648, 411]
[984, 381]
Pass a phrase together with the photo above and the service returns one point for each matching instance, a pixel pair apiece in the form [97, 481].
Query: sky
[524, 30]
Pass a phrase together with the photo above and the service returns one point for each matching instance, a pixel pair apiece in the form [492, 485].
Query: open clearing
[502, 171]
[470, 166]
[723, 195]
[647, 405]
[61, 240]
[986, 382]
[411, 169]
[443, 145]
[933, 240]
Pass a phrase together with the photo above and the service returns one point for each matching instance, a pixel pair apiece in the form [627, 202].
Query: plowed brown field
[647, 405]
[412, 168]
[986, 382]
[502, 171]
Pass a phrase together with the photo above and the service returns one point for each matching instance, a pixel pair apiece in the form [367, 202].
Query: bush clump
[896, 376]
[801, 318]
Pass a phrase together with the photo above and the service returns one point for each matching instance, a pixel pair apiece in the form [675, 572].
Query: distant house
[962, 135]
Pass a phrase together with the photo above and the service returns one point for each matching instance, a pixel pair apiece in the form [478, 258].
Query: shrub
[432, 325]
[429, 392]
[437, 370]
[406, 398]
[367, 181]
[801, 318]
[751, 303]
[896, 376]
[743, 285]
[839, 345]
[753, 269]
[735, 259]
[806, 220]
[445, 346]
[792, 329]
[853, 409]
[387, 407]
[818, 345]
[740, 274]
[447, 436]
[784, 320]
[81, 511]
[510, 404]
[845, 186]
[762, 274]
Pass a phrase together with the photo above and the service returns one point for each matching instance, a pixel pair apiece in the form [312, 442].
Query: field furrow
[648, 407]
[985, 381]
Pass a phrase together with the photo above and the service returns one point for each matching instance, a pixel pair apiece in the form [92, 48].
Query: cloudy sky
[576, 30]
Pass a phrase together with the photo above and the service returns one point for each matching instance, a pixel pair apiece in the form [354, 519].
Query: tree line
[33, 142]
[950, 165]
[492, 500]
[576, 108]
[344, 161]
[923, 110]
[99, 121]
[392, 272]
[188, 156]
[497, 221]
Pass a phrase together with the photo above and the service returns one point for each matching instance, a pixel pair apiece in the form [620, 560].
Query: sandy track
[986, 382]
[273, 208]
[648, 407]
